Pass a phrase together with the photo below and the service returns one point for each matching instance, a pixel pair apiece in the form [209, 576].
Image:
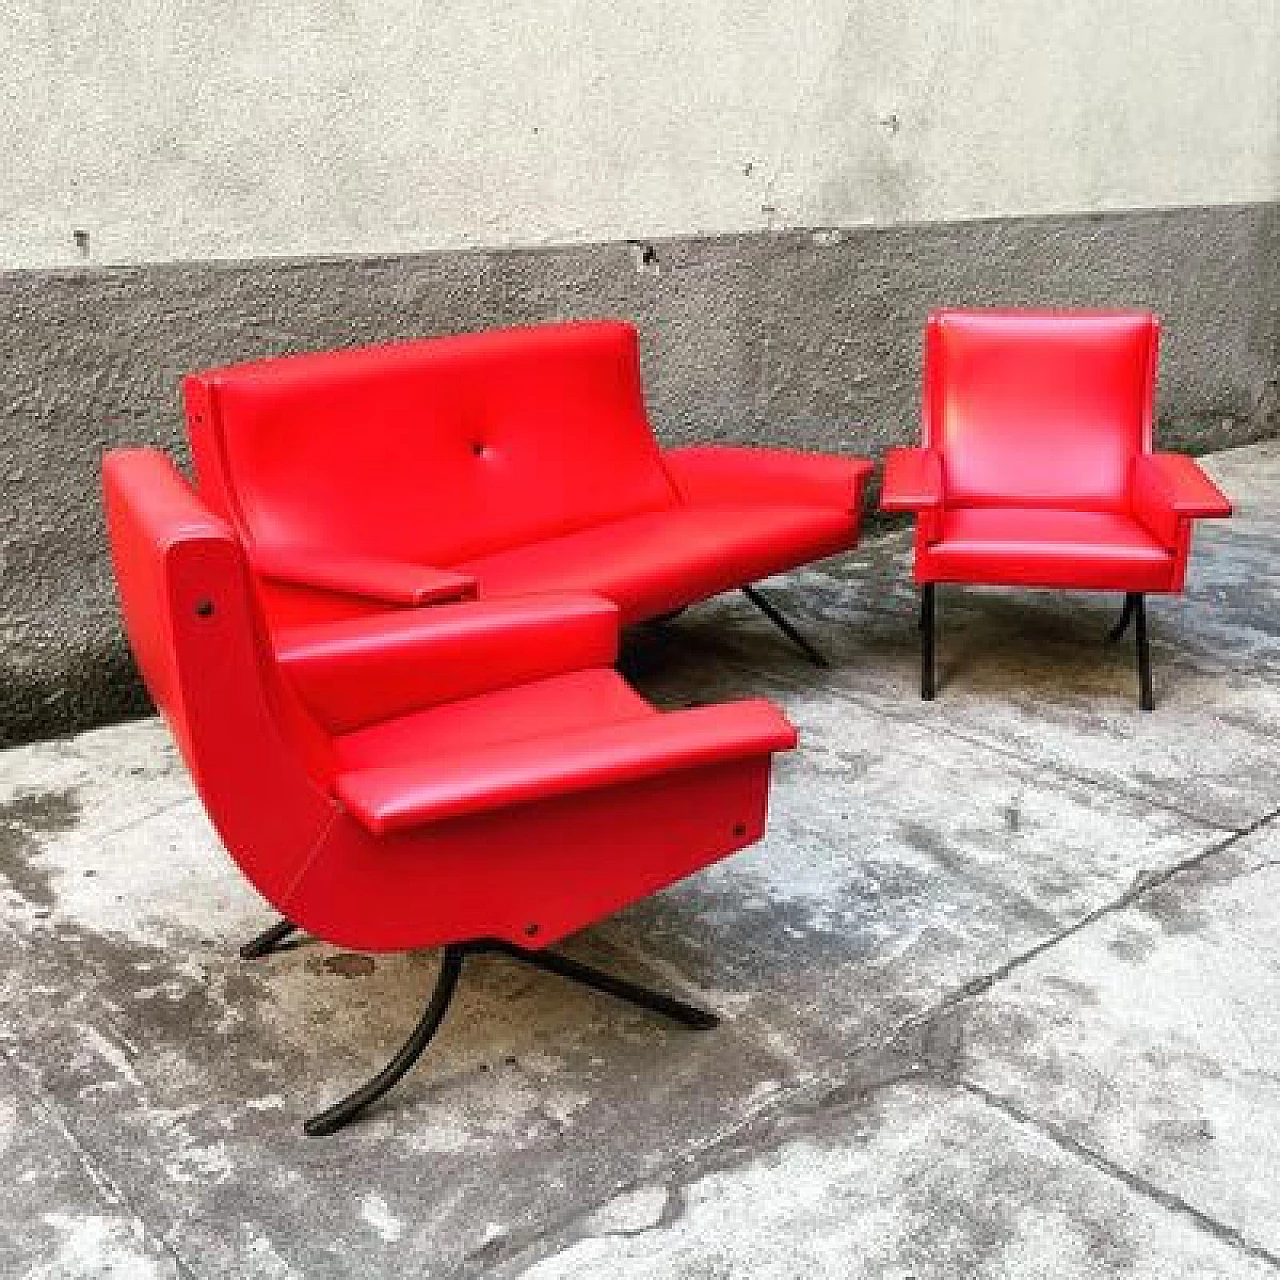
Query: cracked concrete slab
[1153, 1038]
[917, 1183]
[917, 857]
[1251, 476]
[1029, 673]
[187, 1073]
[899, 864]
[59, 1218]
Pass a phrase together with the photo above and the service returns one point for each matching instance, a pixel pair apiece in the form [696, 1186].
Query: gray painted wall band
[809, 339]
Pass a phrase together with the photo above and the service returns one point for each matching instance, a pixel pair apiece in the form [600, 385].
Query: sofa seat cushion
[652, 563]
[1035, 547]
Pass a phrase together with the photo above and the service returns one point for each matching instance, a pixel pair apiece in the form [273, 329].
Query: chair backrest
[435, 451]
[1039, 408]
[256, 757]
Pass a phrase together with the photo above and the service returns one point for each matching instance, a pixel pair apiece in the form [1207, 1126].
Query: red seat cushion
[543, 708]
[661, 560]
[1035, 547]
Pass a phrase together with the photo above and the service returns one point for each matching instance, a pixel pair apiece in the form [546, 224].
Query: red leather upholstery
[502, 463]
[650, 564]
[718, 475]
[912, 480]
[356, 671]
[1036, 467]
[1032, 545]
[388, 582]
[1039, 409]
[497, 775]
[466, 772]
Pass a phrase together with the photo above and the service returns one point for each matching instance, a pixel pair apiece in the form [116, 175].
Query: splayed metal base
[346, 1109]
[783, 625]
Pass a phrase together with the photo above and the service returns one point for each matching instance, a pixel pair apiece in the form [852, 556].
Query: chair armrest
[1179, 484]
[362, 670]
[501, 775]
[912, 480]
[371, 577]
[725, 474]
[1167, 490]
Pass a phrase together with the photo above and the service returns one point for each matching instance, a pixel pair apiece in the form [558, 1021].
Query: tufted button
[479, 448]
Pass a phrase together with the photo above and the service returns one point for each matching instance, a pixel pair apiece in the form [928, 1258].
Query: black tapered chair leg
[787, 629]
[1131, 599]
[927, 681]
[344, 1111]
[1145, 698]
[632, 992]
[267, 941]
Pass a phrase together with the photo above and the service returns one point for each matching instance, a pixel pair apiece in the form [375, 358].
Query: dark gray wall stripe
[801, 338]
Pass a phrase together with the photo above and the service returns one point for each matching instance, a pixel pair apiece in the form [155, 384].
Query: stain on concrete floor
[999, 987]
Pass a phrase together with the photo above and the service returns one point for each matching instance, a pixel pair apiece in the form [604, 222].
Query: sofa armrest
[395, 582]
[912, 480]
[501, 775]
[362, 670]
[727, 474]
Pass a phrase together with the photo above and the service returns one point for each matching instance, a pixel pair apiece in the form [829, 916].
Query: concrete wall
[776, 195]
[216, 129]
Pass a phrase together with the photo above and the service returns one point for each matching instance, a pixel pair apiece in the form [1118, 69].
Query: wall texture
[220, 128]
[803, 338]
[775, 195]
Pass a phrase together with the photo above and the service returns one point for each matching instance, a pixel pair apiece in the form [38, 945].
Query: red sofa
[496, 464]
[1036, 467]
[475, 776]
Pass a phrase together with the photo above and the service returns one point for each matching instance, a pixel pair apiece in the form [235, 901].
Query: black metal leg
[1131, 599]
[785, 627]
[267, 941]
[332, 1119]
[927, 683]
[677, 1010]
[1145, 699]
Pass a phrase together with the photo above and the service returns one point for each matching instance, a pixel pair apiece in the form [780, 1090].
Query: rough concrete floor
[1002, 986]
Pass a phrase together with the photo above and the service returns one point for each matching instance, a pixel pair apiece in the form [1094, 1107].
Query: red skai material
[494, 463]
[1036, 467]
[469, 771]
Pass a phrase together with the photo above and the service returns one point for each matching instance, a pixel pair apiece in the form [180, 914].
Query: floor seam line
[828, 1084]
[1168, 1200]
[1101, 784]
[1142, 885]
[103, 1183]
[168, 807]
[669, 1170]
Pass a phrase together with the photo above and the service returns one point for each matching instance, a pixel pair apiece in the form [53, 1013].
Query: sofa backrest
[1039, 408]
[434, 451]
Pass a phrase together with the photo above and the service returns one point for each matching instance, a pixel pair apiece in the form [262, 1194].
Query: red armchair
[473, 776]
[1036, 467]
[496, 464]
